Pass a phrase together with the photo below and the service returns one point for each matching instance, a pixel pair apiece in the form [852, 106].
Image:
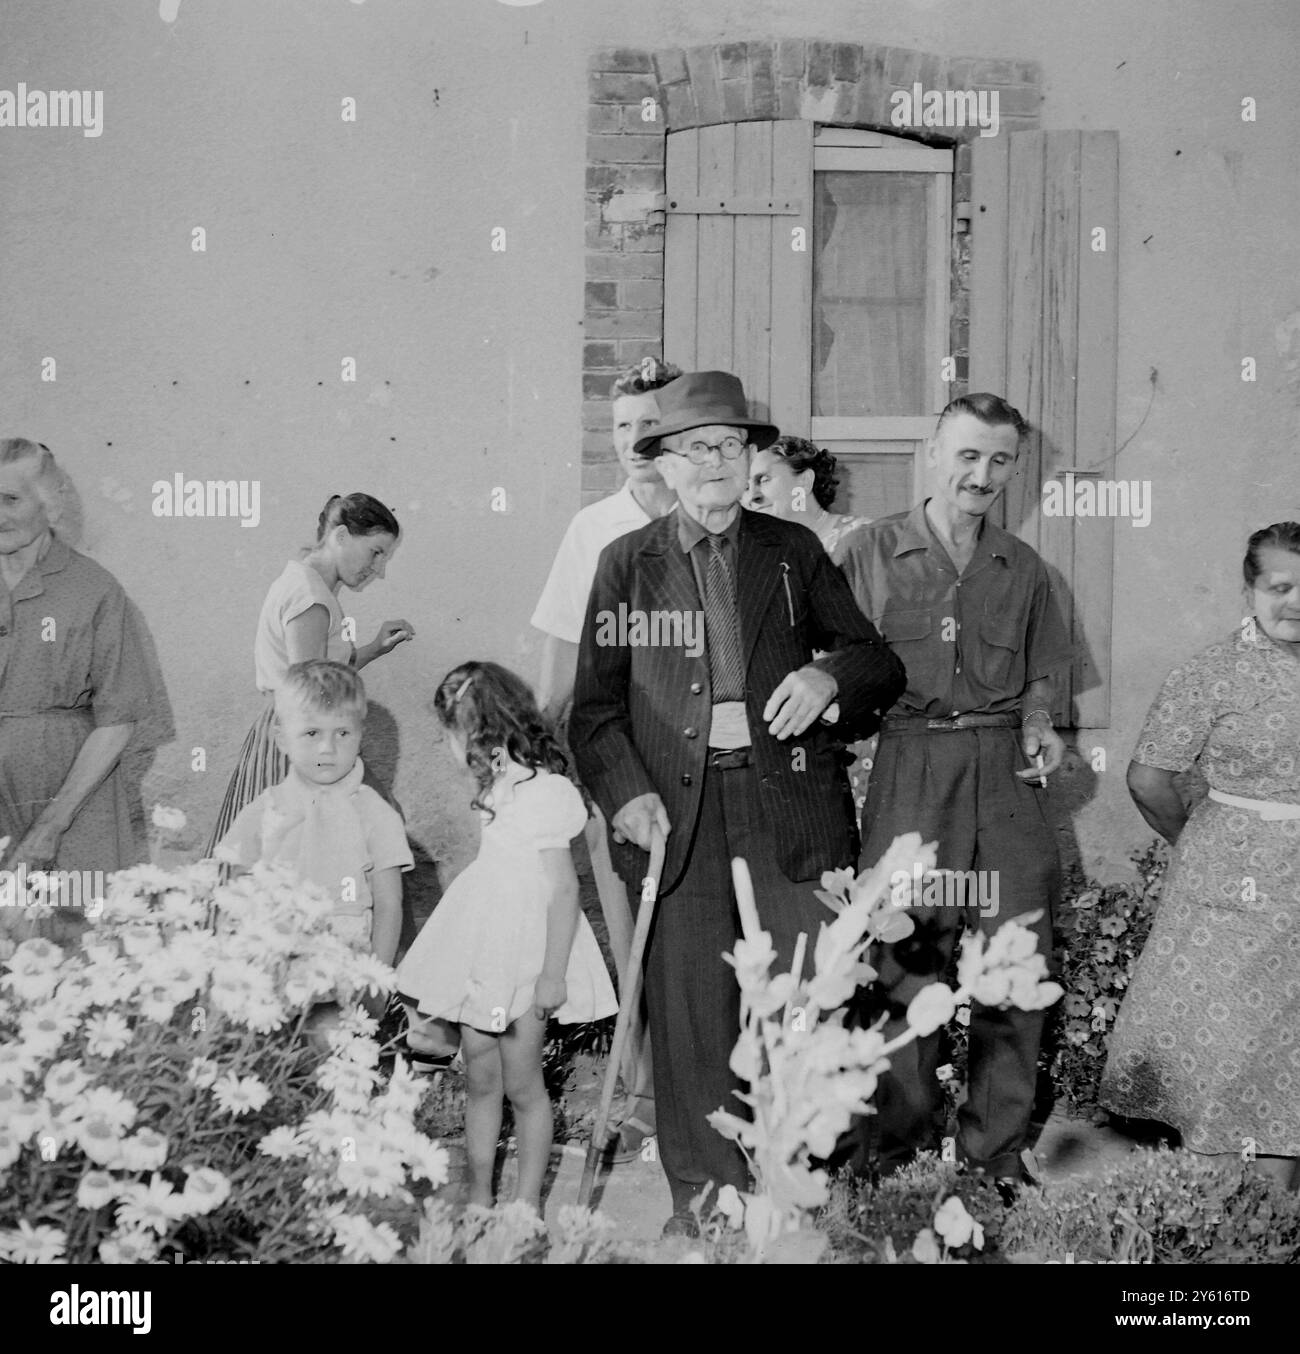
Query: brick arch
[839, 83]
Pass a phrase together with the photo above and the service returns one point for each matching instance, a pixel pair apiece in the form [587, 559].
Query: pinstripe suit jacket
[641, 712]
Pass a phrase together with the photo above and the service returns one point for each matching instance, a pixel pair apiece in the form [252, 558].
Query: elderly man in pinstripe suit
[735, 750]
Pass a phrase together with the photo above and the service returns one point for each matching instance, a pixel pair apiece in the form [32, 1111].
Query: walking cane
[628, 999]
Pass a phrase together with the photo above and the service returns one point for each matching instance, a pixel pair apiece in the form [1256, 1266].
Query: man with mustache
[970, 610]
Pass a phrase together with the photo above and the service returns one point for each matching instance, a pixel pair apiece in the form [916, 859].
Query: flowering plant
[510, 1234]
[1103, 929]
[808, 1075]
[160, 1089]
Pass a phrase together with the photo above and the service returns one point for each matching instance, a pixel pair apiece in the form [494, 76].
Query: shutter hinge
[733, 206]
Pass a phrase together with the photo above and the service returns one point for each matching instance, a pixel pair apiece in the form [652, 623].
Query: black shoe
[1008, 1188]
[681, 1224]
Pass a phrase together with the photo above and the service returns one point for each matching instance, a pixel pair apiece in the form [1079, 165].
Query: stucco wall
[372, 240]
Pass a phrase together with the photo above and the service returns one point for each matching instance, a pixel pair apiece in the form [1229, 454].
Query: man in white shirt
[559, 615]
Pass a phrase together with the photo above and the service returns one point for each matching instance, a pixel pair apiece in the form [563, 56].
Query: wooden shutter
[737, 294]
[1044, 333]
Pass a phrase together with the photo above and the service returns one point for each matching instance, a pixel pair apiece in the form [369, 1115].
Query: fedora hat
[698, 399]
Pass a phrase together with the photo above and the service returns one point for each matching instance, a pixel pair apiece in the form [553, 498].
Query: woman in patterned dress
[300, 619]
[796, 480]
[1208, 1037]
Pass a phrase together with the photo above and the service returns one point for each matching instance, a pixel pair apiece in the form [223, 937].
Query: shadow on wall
[151, 734]
[381, 743]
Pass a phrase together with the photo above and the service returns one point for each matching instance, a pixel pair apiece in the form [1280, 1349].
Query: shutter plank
[681, 253]
[1095, 410]
[990, 170]
[752, 314]
[789, 275]
[1025, 311]
[987, 339]
[1061, 237]
[717, 236]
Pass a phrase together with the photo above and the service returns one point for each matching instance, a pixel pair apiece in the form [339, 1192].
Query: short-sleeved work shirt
[971, 644]
[562, 606]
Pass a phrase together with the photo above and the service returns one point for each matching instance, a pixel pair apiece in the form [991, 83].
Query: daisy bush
[162, 1094]
[808, 1073]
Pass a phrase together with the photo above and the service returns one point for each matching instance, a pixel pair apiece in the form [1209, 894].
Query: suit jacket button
[691, 733]
[686, 780]
[697, 688]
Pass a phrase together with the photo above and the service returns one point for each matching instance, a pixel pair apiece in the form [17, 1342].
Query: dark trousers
[691, 994]
[959, 788]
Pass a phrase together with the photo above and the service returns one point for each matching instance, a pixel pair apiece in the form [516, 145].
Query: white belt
[1270, 810]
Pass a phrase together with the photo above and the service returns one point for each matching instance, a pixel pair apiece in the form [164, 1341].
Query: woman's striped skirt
[261, 764]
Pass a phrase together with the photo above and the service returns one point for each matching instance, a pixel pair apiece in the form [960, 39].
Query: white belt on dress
[1270, 810]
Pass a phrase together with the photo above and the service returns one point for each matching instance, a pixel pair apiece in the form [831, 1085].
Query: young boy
[338, 833]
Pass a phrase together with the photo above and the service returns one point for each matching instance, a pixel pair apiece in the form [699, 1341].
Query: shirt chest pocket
[912, 635]
[1001, 665]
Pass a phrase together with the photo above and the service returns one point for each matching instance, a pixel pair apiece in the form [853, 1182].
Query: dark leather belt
[728, 759]
[1007, 719]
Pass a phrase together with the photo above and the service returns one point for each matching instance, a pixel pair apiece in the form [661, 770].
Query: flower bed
[162, 1091]
[1100, 932]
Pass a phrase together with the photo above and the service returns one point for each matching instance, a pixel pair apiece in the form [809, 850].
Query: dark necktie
[722, 627]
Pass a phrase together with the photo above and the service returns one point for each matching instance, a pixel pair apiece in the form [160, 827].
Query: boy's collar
[348, 785]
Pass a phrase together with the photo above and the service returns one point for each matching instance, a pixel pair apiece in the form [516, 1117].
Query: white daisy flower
[282, 1143]
[116, 1108]
[107, 1034]
[145, 1150]
[129, 1248]
[10, 1148]
[28, 1245]
[152, 1207]
[35, 956]
[44, 1030]
[29, 1119]
[361, 1241]
[202, 1072]
[100, 1139]
[238, 1095]
[205, 1189]
[97, 1189]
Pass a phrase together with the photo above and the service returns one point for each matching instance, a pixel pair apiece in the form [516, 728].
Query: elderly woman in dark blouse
[73, 682]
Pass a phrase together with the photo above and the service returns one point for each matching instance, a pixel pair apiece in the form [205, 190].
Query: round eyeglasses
[698, 453]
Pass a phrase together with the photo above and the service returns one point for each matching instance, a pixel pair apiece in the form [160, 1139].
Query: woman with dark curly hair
[508, 946]
[1206, 1038]
[796, 480]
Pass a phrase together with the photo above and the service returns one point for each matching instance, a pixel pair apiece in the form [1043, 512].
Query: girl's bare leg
[426, 1035]
[521, 1062]
[483, 1090]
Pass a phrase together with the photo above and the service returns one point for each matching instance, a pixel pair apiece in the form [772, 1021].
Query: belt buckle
[728, 759]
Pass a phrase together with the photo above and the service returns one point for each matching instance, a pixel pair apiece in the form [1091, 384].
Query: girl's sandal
[632, 1136]
[425, 1064]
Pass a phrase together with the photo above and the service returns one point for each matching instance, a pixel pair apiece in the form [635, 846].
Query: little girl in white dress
[508, 945]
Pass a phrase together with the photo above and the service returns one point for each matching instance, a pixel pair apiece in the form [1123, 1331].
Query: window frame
[848, 149]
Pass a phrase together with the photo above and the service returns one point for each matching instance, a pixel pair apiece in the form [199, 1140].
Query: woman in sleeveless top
[301, 618]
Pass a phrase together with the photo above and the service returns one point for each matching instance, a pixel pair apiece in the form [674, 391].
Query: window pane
[874, 484]
[869, 293]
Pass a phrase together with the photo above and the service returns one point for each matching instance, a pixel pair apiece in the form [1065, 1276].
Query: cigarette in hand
[1038, 762]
